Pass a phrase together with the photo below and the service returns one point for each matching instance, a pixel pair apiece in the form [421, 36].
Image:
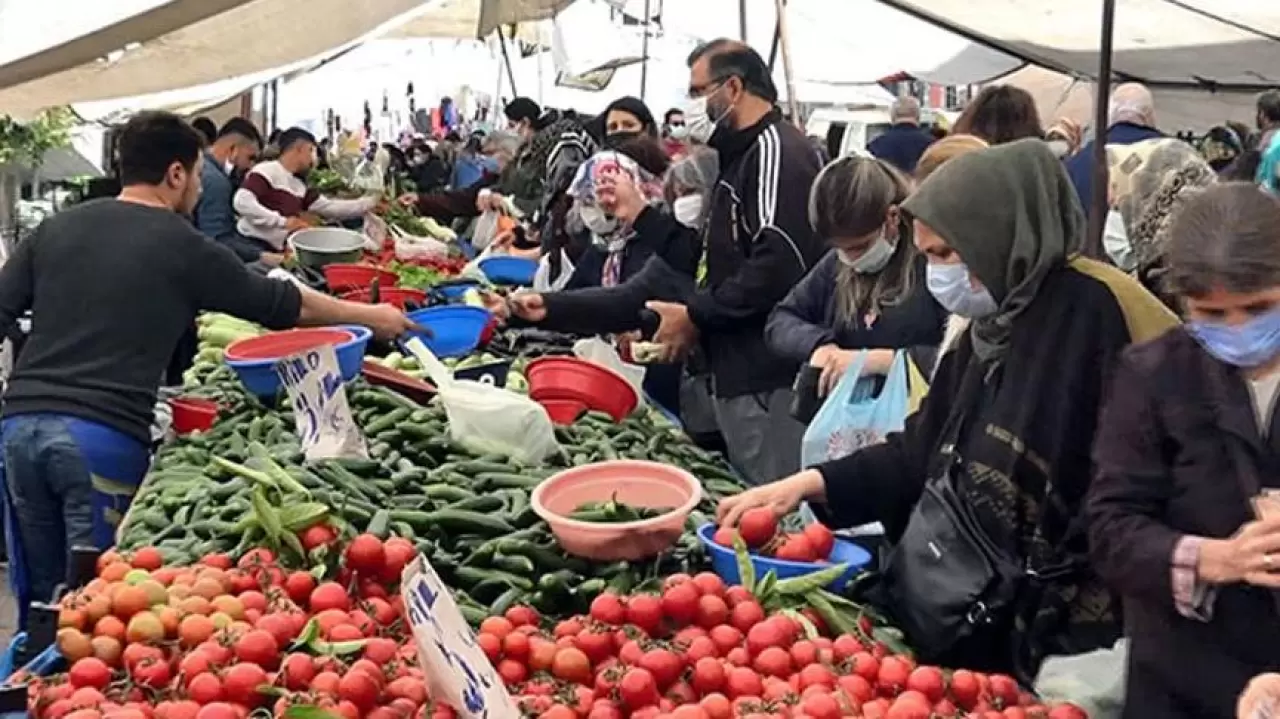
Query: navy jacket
[901, 146]
[1080, 166]
[806, 319]
[214, 216]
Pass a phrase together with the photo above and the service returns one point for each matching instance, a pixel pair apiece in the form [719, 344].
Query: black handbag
[945, 580]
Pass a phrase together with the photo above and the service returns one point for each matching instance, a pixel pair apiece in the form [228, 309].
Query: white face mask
[1115, 240]
[597, 221]
[872, 260]
[688, 210]
[700, 126]
[679, 132]
[952, 287]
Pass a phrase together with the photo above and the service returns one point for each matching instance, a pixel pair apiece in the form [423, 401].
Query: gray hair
[502, 143]
[851, 198]
[1132, 102]
[695, 172]
[1228, 237]
[905, 108]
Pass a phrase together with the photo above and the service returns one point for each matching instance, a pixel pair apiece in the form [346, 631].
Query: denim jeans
[51, 490]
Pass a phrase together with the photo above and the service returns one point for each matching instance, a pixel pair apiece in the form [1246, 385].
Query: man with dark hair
[274, 200]
[1268, 117]
[113, 284]
[675, 133]
[206, 128]
[758, 244]
[235, 150]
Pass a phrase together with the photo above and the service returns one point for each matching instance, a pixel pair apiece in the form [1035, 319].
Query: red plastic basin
[275, 345]
[575, 380]
[409, 386]
[193, 414]
[398, 296]
[563, 411]
[345, 277]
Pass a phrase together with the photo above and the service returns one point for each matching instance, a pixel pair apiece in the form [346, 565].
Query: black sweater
[112, 286]
[657, 235]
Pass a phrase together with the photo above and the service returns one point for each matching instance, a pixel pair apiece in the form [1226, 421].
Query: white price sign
[325, 426]
[457, 669]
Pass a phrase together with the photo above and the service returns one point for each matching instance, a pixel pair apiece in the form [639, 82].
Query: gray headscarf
[1012, 215]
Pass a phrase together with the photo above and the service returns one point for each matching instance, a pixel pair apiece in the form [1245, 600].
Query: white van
[849, 130]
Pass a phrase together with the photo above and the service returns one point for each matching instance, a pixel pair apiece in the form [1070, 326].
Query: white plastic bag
[542, 281]
[488, 419]
[602, 353]
[1094, 681]
[413, 247]
[376, 231]
[486, 230]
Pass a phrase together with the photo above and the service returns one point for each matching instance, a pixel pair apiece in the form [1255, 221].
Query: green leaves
[26, 143]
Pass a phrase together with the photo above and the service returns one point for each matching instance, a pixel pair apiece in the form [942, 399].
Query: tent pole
[506, 60]
[773, 47]
[644, 53]
[1098, 203]
[742, 20]
[784, 45]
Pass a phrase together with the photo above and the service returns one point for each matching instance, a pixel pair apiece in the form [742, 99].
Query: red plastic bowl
[587, 383]
[193, 414]
[275, 345]
[342, 277]
[563, 411]
[409, 386]
[398, 296]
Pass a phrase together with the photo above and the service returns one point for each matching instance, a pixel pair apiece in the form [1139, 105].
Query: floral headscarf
[607, 231]
[1149, 181]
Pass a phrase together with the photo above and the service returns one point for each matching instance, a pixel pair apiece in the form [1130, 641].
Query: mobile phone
[1267, 504]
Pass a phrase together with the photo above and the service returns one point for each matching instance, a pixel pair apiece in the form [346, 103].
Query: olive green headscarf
[1012, 215]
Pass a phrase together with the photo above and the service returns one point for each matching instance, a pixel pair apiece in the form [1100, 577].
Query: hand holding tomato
[781, 497]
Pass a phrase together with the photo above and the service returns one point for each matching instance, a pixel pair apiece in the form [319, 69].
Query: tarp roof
[250, 37]
[1169, 44]
[476, 18]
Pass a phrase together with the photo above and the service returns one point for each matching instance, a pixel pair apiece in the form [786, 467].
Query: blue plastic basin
[456, 290]
[456, 328]
[509, 270]
[260, 378]
[725, 562]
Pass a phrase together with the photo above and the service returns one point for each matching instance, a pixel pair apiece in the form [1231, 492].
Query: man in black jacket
[758, 244]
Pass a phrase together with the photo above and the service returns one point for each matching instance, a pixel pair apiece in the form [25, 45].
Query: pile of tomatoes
[146, 641]
[758, 529]
[702, 650]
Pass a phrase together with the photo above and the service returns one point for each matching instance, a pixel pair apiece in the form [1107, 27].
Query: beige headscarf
[1149, 181]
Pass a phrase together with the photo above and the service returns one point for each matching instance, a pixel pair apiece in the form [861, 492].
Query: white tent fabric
[476, 18]
[1231, 45]
[253, 37]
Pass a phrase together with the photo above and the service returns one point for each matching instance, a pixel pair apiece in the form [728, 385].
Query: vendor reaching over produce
[274, 200]
[484, 194]
[112, 285]
[1003, 438]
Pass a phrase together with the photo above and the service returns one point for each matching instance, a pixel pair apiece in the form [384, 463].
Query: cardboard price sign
[457, 670]
[326, 429]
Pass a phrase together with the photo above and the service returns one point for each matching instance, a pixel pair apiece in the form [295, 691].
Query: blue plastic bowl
[457, 328]
[725, 562]
[509, 270]
[453, 292]
[260, 378]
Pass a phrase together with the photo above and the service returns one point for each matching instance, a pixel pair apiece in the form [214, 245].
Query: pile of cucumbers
[470, 515]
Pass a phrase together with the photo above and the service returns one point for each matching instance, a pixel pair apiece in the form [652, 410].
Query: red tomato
[796, 548]
[645, 611]
[758, 525]
[680, 603]
[638, 689]
[365, 555]
[822, 539]
[609, 609]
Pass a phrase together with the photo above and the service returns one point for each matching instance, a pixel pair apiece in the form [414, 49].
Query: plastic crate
[47, 662]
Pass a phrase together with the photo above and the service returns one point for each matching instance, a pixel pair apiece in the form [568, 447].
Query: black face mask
[617, 139]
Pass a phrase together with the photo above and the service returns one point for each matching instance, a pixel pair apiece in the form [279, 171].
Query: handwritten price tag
[325, 426]
[457, 669]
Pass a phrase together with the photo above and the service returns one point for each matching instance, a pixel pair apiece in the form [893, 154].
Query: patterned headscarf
[1149, 181]
[584, 189]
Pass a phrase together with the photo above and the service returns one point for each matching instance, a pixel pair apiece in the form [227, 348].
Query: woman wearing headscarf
[625, 118]
[982, 493]
[1221, 146]
[867, 295]
[1184, 515]
[1150, 180]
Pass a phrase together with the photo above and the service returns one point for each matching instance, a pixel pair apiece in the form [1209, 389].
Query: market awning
[251, 37]
[477, 18]
[1169, 44]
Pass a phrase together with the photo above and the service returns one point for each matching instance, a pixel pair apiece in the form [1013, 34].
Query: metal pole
[506, 59]
[773, 47]
[785, 46]
[742, 20]
[1101, 102]
[644, 53]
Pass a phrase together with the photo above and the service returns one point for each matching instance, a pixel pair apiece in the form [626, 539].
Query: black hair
[151, 142]
[521, 109]
[206, 128]
[1000, 114]
[274, 137]
[729, 58]
[647, 153]
[242, 127]
[635, 107]
[293, 136]
[1269, 106]
[666, 116]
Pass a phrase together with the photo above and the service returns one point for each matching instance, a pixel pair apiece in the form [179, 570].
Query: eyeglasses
[696, 91]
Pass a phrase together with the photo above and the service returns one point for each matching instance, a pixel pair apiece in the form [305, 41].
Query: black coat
[1177, 429]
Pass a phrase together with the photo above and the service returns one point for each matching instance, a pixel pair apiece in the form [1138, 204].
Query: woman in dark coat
[1189, 441]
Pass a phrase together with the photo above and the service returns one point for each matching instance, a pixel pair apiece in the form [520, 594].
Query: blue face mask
[951, 287]
[1251, 344]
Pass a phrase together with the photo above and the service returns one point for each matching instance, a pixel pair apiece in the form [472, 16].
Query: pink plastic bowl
[634, 482]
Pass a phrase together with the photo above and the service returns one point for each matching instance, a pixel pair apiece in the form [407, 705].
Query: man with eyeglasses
[758, 244]
[675, 134]
[234, 151]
